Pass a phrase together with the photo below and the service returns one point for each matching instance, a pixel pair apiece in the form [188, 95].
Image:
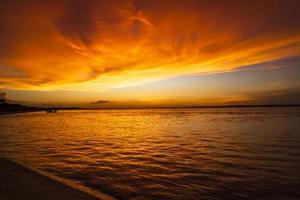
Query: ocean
[153, 154]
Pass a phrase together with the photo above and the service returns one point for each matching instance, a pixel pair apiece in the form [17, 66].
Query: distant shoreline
[184, 107]
[137, 108]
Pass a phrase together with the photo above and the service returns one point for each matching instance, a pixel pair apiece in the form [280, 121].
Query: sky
[139, 53]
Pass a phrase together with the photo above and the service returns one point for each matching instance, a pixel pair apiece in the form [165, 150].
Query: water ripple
[165, 154]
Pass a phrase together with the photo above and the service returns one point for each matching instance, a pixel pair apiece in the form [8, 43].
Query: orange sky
[95, 46]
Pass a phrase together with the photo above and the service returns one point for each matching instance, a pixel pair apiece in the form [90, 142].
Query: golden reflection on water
[164, 154]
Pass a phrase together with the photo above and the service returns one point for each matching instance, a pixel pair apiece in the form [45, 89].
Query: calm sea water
[249, 153]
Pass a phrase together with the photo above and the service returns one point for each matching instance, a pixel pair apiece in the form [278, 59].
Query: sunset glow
[149, 99]
[95, 47]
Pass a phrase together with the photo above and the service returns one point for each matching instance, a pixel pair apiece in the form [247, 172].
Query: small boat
[51, 111]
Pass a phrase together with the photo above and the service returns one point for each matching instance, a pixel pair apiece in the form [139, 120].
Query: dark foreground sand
[20, 183]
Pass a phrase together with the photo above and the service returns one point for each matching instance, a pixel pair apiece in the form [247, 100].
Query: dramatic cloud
[98, 44]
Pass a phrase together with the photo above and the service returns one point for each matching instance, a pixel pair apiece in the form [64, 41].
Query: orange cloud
[93, 45]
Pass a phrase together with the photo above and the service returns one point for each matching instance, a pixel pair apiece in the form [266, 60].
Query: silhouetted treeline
[6, 107]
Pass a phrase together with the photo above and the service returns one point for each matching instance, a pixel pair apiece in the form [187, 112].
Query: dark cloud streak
[77, 22]
[101, 102]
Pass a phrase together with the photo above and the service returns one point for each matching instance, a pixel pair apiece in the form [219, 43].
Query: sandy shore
[21, 183]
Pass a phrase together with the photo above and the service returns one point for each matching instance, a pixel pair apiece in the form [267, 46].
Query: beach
[18, 182]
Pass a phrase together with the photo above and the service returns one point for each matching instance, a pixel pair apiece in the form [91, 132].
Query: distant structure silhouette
[2, 97]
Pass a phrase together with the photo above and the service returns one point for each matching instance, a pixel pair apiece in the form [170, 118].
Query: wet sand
[21, 183]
